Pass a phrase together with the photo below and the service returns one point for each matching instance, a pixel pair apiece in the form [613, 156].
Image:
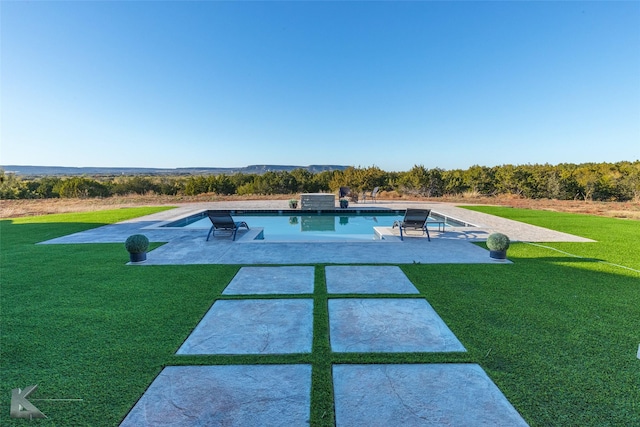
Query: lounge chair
[415, 219]
[372, 196]
[344, 192]
[222, 220]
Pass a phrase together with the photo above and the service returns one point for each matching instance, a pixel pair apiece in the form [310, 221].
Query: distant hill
[40, 171]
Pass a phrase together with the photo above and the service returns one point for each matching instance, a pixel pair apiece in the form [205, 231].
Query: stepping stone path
[271, 280]
[235, 395]
[359, 321]
[419, 395]
[368, 280]
[388, 325]
[272, 326]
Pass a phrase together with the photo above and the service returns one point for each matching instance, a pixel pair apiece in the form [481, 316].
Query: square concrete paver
[232, 395]
[368, 280]
[271, 280]
[419, 395]
[271, 326]
[388, 325]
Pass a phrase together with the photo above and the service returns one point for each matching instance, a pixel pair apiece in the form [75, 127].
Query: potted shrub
[137, 245]
[293, 204]
[498, 244]
[344, 203]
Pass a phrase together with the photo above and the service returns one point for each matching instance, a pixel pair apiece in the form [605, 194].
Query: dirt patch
[629, 210]
[20, 208]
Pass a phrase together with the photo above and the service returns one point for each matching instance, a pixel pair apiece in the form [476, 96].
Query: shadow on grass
[11, 234]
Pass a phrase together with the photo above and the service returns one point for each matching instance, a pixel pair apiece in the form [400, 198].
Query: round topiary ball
[137, 243]
[498, 242]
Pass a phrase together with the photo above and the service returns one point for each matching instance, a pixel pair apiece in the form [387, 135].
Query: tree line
[588, 181]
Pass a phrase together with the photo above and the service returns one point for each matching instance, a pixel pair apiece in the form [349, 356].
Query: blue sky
[387, 84]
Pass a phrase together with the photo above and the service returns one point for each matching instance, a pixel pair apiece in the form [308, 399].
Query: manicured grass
[557, 334]
[617, 238]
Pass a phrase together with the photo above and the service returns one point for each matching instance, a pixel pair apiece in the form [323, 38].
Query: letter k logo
[21, 407]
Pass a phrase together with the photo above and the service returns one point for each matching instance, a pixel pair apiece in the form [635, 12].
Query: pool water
[314, 226]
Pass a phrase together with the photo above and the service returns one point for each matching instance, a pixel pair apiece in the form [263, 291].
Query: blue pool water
[325, 226]
[312, 227]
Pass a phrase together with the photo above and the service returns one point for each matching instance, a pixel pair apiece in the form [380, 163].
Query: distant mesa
[36, 171]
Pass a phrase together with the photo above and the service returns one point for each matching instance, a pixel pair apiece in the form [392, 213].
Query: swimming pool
[294, 225]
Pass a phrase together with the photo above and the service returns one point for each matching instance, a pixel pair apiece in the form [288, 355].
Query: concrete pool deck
[189, 246]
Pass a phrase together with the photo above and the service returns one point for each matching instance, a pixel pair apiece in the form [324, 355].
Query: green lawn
[557, 334]
[617, 238]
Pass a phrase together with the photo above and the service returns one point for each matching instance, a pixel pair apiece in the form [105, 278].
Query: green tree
[135, 185]
[322, 181]
[414, 181]
[44, 188]
[222, 184]
[358, 179]
[422, 181]
[480, 179]
[196, 185]
[80, 187]
[305, 181]
[12, 187]
[169, 186]
[454, 182]
[630, 180]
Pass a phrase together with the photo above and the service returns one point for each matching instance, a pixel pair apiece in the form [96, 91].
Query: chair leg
[209, 234]
[235, 230]
[427, 231]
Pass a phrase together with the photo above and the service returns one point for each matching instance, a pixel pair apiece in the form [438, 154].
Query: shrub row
[589, 181]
